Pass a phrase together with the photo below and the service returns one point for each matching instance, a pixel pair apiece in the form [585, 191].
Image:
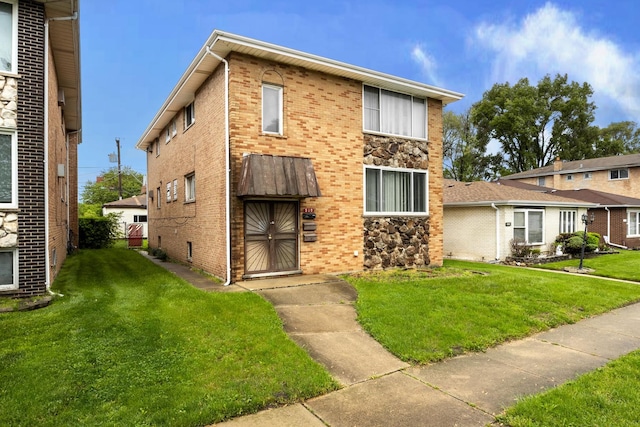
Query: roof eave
[222, 43]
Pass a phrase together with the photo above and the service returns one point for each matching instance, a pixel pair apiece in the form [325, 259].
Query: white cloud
[427, 63]
[551, 41]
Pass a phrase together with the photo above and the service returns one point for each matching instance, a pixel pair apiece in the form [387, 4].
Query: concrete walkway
[380, 390]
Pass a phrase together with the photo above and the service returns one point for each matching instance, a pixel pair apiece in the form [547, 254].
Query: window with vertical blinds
[394, 113]
[395, 191]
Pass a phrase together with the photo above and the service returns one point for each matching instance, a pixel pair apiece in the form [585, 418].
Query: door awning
[277, 176]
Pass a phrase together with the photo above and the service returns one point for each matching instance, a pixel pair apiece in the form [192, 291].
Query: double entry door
[270, 236]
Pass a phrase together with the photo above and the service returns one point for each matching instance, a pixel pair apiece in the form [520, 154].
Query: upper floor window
[139, 218]
[167, 135]
[158, 199]
[190, 187]
[8, 269]
[587, 175]
[395, 191]
[157, 144]
[541, 181]
[528, 225]
[9, 36]
[569, 177]
[168, 191]
[189, 115]
[8, 170]
[394, 113]
[272, 109]
[619, 174]
[568, 221]
[633, 223]
[174, 128]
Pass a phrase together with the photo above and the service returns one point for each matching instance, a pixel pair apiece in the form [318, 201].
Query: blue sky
[134, 52]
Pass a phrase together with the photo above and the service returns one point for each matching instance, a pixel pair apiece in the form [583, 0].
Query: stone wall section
[8, 230]
[396, 241]
[8, 102]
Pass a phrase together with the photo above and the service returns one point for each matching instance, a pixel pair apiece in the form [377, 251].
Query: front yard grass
[608, 396]
[421, 317]
[622, 265]
[131, 344]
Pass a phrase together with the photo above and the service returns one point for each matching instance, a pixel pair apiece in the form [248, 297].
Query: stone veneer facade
[396, 241]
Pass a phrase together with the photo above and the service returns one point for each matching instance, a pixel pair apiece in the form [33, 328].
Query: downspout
[47, 256]
[493, 205]
[227, 153]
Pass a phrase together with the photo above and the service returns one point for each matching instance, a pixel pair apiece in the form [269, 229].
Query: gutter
[47, 256]
[227, 152]
[493, 205]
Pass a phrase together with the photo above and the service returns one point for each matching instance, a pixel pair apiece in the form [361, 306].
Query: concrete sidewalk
[380, 390]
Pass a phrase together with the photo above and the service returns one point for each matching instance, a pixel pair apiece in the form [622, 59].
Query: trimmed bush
[572, 243]
[99, 232]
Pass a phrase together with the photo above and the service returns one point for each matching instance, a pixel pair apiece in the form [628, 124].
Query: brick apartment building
[40, 124]
[268, 161]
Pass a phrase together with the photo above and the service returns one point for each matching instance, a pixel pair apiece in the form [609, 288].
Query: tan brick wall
[323, 121]
[436, 225]
[57, 186]
[599, 181]
[199, 149]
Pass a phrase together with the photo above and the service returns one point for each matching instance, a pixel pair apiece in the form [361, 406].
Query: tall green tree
[465, 157]
[618, 138]
[106, 188]
[534, 124]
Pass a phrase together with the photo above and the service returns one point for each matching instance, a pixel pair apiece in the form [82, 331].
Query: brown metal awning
[277, 176]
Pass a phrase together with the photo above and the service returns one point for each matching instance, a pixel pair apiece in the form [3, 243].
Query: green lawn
[421, 317]
[608, 396]
[622, 265]
[131, 344]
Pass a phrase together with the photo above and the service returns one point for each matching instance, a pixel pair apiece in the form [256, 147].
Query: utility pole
[119, 170]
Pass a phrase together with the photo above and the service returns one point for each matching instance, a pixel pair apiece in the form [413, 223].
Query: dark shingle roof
[130, 202]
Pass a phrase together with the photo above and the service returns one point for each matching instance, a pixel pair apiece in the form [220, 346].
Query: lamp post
[586, 219]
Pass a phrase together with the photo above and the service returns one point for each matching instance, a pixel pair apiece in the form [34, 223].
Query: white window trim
[381, 213]
[563, 218]
[191, 106]
[637, 212]
[169, 192]
[16, 282]
[587, 175]
[526, 223]
[569, 177]
[187, 188]
[618, 169]
[280, 90]
[157, 143]
[175, 189]
[13, 204]
[174, 127]
[14, 38]
[375, 132]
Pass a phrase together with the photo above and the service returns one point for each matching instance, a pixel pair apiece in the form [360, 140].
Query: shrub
[99, 232]
[519, 248]
[572, 243]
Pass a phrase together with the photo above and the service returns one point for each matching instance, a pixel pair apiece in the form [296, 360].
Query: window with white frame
[569, 177]
[528, 225]
[175, 189]
[158, 199]
[189, 115]
[395, 191]
[272, 109]
[541, 181]
[190, 187]
[568, 221]
[619, 174]
[8, 269]
[157, 143]
[9, 36]
[167, 135]
[174, 128]
[633, 223]
[8, 170]
[168, 191]
[139, 218]
[587, 175]
[394, 113]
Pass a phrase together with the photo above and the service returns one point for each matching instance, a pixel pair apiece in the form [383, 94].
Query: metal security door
[271, 237]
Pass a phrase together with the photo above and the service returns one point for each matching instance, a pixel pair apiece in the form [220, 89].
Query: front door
[270, 237]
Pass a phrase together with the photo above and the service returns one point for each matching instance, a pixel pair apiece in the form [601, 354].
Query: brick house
[481, 218]
[268, 161]
[614, 174]
[40, 122]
